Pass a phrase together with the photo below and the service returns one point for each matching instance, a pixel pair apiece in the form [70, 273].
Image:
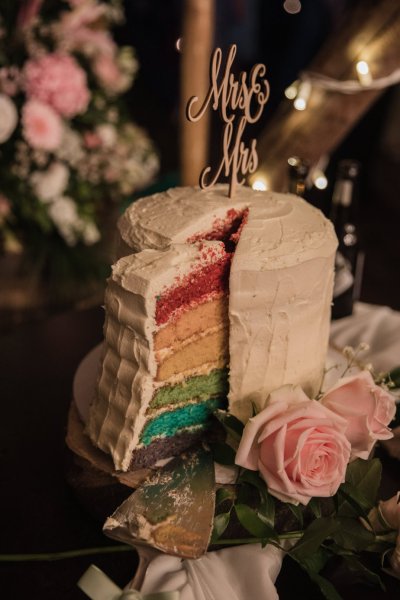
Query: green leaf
[311, 567]
[314, 535]
[223, 453]
[231, 424]
[317, 561]
[266, 511]
[315, 506]
[352, 535]
[223, 494]
[253, 478]
[245, 494]
[352, 501]
[221, 522]
[365, 475]
[361, 572]
[297, 511]
[252, 522]
[325, 586]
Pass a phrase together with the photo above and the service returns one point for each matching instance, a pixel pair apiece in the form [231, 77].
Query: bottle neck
[343, 192]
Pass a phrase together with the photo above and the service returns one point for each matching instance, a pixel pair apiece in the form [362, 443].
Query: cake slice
[166, 352]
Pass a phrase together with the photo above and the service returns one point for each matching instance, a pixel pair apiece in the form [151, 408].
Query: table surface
[40, 512]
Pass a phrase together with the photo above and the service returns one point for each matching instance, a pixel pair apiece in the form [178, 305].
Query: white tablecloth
[244, 572]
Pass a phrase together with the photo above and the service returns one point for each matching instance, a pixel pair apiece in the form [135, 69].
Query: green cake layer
[170, 423]
[200, 387]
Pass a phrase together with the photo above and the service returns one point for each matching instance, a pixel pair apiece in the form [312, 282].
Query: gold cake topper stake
[240, 101]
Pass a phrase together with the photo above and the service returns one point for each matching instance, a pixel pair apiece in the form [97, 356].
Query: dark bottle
[298, 172]
[349, 260]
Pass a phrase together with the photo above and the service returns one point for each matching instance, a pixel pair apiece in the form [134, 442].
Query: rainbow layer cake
[220, 302]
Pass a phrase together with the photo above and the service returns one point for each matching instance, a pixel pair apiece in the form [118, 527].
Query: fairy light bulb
[319, 179]
[363, 72]
[260, 183]
[178, 44]
[303, 95]
[291, 91]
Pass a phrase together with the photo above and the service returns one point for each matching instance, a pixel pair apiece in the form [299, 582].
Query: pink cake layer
[192, 288]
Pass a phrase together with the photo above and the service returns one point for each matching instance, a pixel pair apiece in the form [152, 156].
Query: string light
[317, 175]
[303, 95]
[300, 90]
[291, 91]
[363, 73]
[319, 179]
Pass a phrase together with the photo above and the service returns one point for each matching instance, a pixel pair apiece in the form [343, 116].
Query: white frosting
[279, 304]
[178, 214]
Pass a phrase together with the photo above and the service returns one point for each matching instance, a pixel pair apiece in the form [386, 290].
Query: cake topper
[240, 101]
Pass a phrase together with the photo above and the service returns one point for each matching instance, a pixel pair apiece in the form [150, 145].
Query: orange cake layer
[203, 316]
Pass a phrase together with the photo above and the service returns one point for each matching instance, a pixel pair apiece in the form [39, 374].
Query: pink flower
[367, 408]
[108, 73]
[91, 140]
[298, 446]
[58, 80]
[28, 11]
[92, 41]
[42, 127]
[5, 207]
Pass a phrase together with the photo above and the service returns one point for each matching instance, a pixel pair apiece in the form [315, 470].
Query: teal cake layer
[200, 387]
[169, 423]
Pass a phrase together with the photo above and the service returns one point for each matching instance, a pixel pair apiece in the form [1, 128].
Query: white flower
[91, 234]
[50, 184]
[65, 217]
[8, 117]
[71, 148]
[107, 134]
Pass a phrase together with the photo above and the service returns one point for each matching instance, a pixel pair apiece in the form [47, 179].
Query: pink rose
[298, 446]
[59, 81]
[367, 408]
[42, 127]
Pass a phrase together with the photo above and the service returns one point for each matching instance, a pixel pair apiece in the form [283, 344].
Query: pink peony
[58, 80]
[298, 446]
[108, 73]
[367, 408]
[42, 127]
[92, 41]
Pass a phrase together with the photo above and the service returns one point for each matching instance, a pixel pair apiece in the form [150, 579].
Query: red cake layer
[199, 283]
[221, 229]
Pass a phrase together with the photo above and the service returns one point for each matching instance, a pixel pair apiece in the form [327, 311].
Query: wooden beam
[197, 41]
[370, 33]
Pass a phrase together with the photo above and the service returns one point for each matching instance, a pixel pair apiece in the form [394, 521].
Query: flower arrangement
[68, 149]
[305, 481]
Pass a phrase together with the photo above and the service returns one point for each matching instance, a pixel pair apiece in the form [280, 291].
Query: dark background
[286, 44]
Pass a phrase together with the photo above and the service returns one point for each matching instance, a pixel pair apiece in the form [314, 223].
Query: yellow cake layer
[201, 317]
[203, 349]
